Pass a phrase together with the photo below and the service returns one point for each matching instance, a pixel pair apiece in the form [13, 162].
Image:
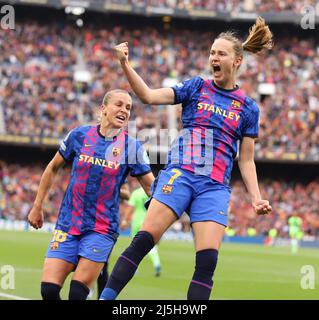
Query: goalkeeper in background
[135, 213]
[295, 232]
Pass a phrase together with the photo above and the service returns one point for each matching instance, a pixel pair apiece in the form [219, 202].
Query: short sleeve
[138, 160]
[184, 90]
[251, 125]
[66, 149]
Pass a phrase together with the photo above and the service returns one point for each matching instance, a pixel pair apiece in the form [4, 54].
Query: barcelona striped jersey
[214, 121]
[99, 168]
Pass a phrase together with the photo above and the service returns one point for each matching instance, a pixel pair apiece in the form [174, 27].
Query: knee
[78, 290]
[143, 239]
[206, 261]
[140, 246]
[152, 231]
[50, 291]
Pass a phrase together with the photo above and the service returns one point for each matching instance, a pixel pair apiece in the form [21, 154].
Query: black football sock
[127, 264]
[202, 282]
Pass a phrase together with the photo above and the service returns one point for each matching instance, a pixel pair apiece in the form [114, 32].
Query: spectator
[19, 185]
[41, 97]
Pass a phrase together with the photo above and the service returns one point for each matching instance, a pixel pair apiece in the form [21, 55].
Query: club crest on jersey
[116, 151]
[54, 245]
[236, 104]
[167, 189]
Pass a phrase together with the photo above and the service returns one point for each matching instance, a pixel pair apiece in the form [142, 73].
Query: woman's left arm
[248, 172]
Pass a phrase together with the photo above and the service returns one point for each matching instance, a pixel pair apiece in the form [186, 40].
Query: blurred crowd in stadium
[19, 186]
[44, 92]
[40, 95]
[223, 5]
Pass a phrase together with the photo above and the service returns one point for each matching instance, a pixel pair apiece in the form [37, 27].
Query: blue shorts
[202, 198]
[91, 245]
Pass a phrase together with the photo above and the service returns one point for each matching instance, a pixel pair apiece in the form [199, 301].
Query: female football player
[87, 226]
[216, 116]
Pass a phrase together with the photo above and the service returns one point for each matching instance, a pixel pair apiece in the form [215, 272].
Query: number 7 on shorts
[176, 175]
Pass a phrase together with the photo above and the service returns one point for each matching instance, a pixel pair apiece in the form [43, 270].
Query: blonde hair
[260, 38]
[109, 94]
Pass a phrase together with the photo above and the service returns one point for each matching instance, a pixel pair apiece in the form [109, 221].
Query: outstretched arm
[144, 93]
[35, 216]
[248, 172]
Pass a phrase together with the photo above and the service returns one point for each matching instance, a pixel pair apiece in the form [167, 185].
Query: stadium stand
[40, 94]
[53, 75]
[19, 186]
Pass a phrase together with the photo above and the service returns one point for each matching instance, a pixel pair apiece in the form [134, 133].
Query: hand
[35, 217]
[262, 207]
[123, 224]
[121, 51]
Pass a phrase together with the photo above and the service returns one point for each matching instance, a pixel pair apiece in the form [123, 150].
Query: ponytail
[259, 38]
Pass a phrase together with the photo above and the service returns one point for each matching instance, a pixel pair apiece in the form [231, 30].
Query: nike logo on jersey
[88, 145]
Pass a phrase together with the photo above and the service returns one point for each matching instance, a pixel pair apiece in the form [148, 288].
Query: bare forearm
[249, 175]
[147, 188]
[146, 182]
[137, 83]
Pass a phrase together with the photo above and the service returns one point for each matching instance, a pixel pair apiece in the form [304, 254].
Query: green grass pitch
[243, 271]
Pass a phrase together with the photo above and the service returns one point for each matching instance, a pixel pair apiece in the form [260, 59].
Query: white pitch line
[10, 296]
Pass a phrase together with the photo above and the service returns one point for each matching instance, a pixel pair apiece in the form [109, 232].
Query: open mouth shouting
[217, 70]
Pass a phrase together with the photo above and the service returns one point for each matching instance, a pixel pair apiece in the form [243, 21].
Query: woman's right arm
[35, 216]
[143, 92]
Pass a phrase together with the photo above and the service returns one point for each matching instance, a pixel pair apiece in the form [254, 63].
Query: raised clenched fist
[121, 51]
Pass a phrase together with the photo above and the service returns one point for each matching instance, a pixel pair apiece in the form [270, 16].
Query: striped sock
[127, 265]
[202, 282]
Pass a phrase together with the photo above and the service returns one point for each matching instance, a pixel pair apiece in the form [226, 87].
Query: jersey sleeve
[251, 126]
[139, 162]
[184, 90]
[66, 149]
